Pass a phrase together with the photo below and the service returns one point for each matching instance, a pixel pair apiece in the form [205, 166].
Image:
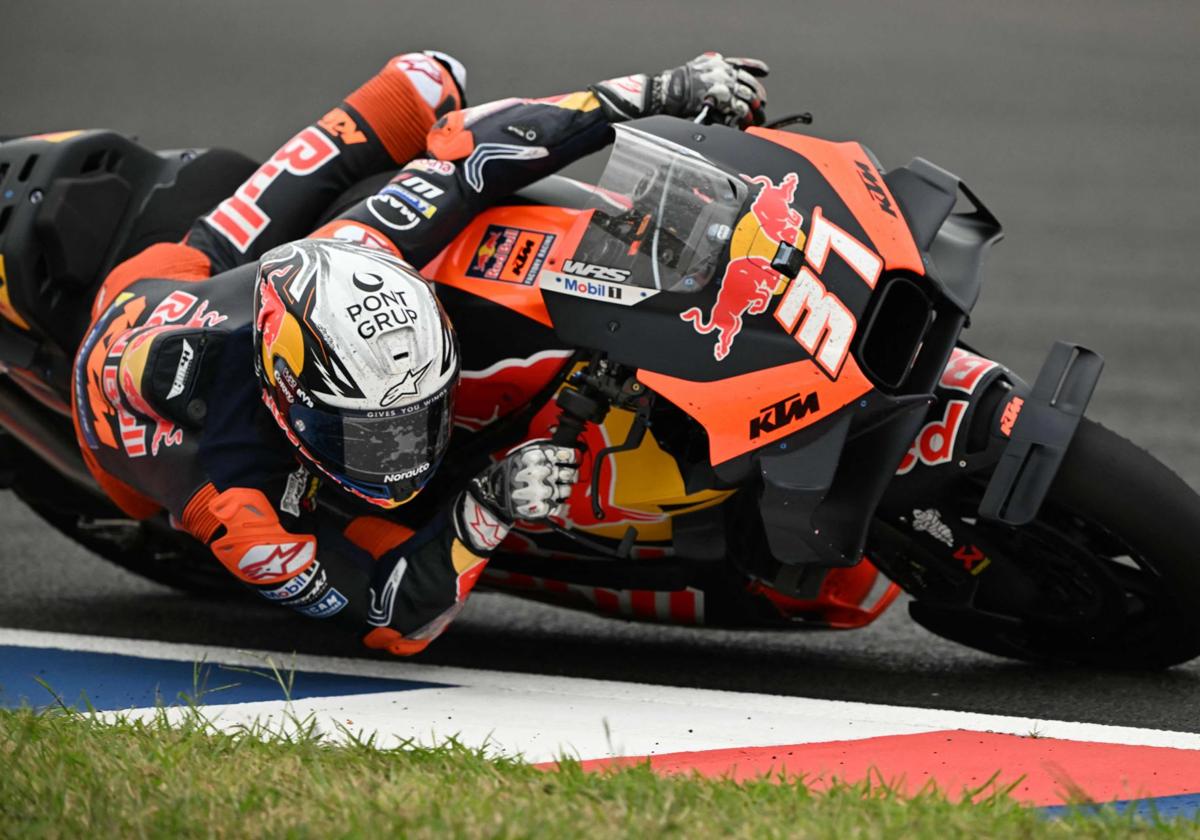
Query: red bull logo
[270, 314]
[746, 287]
[486, 251]
[749, 281]
[772, 208]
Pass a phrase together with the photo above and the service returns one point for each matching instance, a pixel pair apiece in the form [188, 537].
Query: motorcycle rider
[356, 362]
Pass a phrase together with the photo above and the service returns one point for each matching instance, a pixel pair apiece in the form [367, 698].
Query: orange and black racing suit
[167, 405]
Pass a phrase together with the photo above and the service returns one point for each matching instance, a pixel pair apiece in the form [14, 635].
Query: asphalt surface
[1077, 122]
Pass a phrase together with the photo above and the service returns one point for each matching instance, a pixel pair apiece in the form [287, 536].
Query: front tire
[1107, 575]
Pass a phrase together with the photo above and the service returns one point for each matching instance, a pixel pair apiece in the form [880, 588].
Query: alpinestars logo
[268, 563]
[776, 416]
[484, 531]
[409, 386]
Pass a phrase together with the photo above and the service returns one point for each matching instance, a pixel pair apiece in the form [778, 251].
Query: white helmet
[358, 365]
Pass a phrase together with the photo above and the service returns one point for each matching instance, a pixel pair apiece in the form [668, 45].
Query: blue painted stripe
[1183, 806]
[112, 681]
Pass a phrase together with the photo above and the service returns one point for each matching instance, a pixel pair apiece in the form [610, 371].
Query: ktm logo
[871, 182]
[340, 124]
[1011, 412]
[783, 413]
[595, 272]
[522, 256]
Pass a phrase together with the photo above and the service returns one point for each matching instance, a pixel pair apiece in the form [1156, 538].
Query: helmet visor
[399, 449]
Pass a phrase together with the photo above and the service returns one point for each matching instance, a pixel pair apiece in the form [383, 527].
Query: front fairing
[810, 372]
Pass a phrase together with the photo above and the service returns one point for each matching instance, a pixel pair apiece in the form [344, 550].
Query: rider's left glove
[532, 483]
[729, 87]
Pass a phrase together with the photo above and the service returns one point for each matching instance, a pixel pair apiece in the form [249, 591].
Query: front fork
[990, 437]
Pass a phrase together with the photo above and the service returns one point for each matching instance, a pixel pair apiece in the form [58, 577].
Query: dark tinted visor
[398, 449]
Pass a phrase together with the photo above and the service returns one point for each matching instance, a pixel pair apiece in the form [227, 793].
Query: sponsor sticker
[413, 200]
[972, 558]
[595, 272]
[510, 255]
[293, 493]
[313, 593]
[1009, 418]
[782, 414]
[965, 371]
[341, 125]
[930, 522]
[601, 290]
[935, 442]
[332, 604]
[431, 165]
[392, 211]
[293, 586]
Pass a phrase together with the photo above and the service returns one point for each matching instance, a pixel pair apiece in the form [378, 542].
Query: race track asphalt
[1077, 122]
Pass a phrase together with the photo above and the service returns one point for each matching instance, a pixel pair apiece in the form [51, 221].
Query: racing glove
[729, 87]
[531, 483]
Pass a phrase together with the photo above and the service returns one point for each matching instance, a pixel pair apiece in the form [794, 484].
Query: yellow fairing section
[6, 308]
[748, 240]
[646, 479]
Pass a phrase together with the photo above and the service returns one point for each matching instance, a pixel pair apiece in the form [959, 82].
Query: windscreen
[662, 213]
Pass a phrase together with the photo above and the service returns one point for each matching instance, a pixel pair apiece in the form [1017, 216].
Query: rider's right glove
[531, 483]
[729, 87]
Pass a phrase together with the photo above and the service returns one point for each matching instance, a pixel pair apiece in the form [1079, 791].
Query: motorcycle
[754, 338]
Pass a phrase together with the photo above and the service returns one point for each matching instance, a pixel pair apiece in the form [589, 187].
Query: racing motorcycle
[755, 339]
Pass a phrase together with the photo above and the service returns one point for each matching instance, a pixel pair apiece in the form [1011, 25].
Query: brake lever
[803, 118]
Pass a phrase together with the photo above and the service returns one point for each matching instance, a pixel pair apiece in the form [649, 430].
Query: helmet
[358, 365]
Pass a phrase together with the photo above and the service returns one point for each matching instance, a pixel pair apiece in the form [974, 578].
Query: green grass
[67, 774]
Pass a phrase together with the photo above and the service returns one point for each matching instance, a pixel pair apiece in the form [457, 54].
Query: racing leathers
[168, 409]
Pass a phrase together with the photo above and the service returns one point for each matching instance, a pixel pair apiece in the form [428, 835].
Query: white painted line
[544, 717]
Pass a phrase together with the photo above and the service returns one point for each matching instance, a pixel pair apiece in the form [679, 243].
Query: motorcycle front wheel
[1107, 575]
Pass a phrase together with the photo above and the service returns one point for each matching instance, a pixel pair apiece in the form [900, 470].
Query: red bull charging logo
[749, 280]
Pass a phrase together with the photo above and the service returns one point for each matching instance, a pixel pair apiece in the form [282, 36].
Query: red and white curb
[542, 718]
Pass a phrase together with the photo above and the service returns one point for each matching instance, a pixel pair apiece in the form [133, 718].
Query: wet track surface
[1077, 123]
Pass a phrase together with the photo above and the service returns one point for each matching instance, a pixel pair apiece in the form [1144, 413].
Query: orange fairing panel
[849, 170]
[744, 413]
[502, 251]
